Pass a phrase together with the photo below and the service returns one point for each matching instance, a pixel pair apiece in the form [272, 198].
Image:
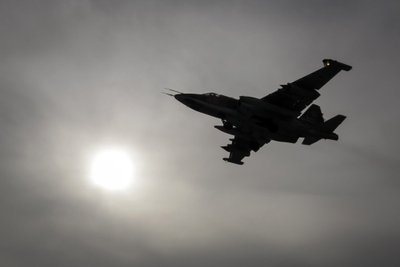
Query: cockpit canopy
[211, 94]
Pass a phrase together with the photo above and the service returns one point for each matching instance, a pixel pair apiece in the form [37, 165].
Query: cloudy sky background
[76, 76]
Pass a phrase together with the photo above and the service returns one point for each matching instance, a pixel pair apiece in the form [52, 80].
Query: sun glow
[112, 169]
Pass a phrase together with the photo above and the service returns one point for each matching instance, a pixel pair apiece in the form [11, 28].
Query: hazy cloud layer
[79, 75]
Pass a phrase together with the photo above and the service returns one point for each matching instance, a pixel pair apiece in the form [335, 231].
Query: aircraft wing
[241, 147]
[299, 94]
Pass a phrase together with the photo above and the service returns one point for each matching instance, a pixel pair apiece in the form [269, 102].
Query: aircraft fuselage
[284, 115]
[277, 123]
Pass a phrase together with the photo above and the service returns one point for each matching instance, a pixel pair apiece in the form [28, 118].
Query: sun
[112, 169]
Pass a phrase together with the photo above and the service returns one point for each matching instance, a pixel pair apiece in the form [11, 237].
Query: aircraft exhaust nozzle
[331, 136]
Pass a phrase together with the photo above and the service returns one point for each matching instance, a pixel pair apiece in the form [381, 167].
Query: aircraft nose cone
[179, 97]
[184, 98]
[188, 100]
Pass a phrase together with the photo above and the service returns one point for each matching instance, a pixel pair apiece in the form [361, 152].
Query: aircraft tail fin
[313, 115]
[326, 130]
[330, 125]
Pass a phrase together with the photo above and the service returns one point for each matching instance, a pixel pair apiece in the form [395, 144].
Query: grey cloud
[76, 75]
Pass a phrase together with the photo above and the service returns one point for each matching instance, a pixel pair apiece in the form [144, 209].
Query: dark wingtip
[342, 66]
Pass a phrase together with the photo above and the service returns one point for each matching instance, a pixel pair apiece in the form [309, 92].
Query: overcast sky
[76, 76]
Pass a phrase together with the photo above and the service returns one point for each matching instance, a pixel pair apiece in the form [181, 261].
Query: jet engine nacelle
[251, 103]
[264, 108]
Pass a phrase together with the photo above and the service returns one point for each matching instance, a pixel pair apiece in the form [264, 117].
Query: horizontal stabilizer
[331, 124]
[334, 63]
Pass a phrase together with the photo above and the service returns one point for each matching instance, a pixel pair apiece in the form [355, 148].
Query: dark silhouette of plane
[254, 122]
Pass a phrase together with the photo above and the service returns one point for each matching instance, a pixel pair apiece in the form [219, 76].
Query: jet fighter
[278, 116]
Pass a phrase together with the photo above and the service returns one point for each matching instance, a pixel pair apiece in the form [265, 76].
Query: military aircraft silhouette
[254, 122]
